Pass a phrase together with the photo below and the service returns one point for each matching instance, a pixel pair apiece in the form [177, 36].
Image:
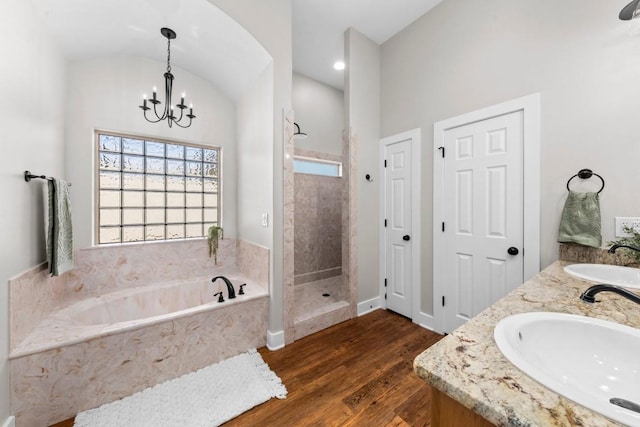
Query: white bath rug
[205, 398]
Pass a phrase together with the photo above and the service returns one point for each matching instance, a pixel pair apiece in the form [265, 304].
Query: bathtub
[105, 347]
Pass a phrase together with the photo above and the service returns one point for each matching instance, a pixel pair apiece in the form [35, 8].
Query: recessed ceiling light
[339, 65]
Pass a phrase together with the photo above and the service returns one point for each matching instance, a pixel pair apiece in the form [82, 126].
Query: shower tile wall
[318, 229]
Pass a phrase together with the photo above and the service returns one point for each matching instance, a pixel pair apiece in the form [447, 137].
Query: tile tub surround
[468, 366]
[34, 296]
[55, 385]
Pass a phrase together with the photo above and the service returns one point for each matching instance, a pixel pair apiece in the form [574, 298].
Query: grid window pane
[154, 232]
[175, 183]
[110, 143]
[210, 155]
[133, 198]
[193, 153]
[109, 217]
[155, 182]
[194, 168]
[210, 215]
[154, 190]
[133, 181]
[175, 167]
[175, 200]
[109, 161]
[194, 200]
[109, 235]
[133, 234]
[132, 163]
[109, 199]
[194, 215]
[154, 199]
[194, 230]
[132, 146]
[210, 200]
[194, 185]
[175, 151]
[175, 216]
[110, 180]
[155, 149]
[155, 216]
[210, 185]
[133, 216]
[175, 231]
[211, 170]
[155, 165]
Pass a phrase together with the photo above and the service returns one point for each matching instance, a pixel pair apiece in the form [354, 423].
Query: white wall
[255, 159]
[270, 23]
[362, 88]
[464, 56]
[105, 93]
[319, 110]
[31, 134]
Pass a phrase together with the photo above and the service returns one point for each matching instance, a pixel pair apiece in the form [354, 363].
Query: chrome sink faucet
[232, 292]
[590, 294]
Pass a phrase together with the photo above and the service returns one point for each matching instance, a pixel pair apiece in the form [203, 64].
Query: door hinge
[385, 163]
[443, 226]
[385, 283]
[385, 295]
[443, 300]
[442, 151]
[385, 222]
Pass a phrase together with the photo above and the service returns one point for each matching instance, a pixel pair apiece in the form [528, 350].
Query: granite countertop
[468, 366]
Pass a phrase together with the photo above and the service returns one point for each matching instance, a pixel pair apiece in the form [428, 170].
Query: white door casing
[486, 192]
[400, 212]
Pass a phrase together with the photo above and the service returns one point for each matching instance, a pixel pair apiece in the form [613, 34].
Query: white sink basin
[605, 273]
[587, 360]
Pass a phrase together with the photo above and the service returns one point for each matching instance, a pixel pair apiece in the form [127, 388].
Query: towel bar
[28, 176]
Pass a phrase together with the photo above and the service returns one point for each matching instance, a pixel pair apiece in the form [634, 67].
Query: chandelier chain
[168, 55]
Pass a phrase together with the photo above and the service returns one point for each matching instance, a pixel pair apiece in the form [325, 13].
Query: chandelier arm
[152, 121]
[185, 126]
[160, 117]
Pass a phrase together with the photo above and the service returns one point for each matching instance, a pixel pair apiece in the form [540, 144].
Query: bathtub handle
[220, 297]
[241, 291]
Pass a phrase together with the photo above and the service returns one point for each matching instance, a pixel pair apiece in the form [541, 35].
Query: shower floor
[309, 299]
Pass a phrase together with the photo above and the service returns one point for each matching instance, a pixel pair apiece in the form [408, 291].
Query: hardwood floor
[357, 373]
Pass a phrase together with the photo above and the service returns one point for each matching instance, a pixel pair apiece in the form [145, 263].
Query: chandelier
[168, 113]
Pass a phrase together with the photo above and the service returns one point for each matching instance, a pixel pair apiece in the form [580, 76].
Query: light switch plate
[265, 219]
[623, 222]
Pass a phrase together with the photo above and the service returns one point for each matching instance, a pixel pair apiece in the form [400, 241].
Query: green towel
[60, 236]
[580, 222]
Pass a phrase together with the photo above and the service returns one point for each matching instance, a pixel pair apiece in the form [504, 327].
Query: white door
[482, 215]
[398, 225]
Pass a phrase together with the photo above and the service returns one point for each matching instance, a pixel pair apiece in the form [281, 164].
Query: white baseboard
[368, 306]
[275, 340]
[425, 320]
[9, 422]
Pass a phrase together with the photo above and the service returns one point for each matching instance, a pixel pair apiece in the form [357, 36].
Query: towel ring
[586, 174]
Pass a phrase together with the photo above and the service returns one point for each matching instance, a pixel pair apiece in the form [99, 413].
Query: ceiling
[212, 45]
[319, 26]
[209, 43]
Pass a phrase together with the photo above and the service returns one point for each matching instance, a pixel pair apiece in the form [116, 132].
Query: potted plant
[214, 233]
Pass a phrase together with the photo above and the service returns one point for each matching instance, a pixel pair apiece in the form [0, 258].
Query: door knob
[406, 237]
[513, 251]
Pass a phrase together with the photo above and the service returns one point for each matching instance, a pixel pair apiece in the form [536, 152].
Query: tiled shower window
[152, 189]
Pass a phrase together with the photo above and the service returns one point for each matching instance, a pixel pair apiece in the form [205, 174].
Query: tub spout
[232, 292]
